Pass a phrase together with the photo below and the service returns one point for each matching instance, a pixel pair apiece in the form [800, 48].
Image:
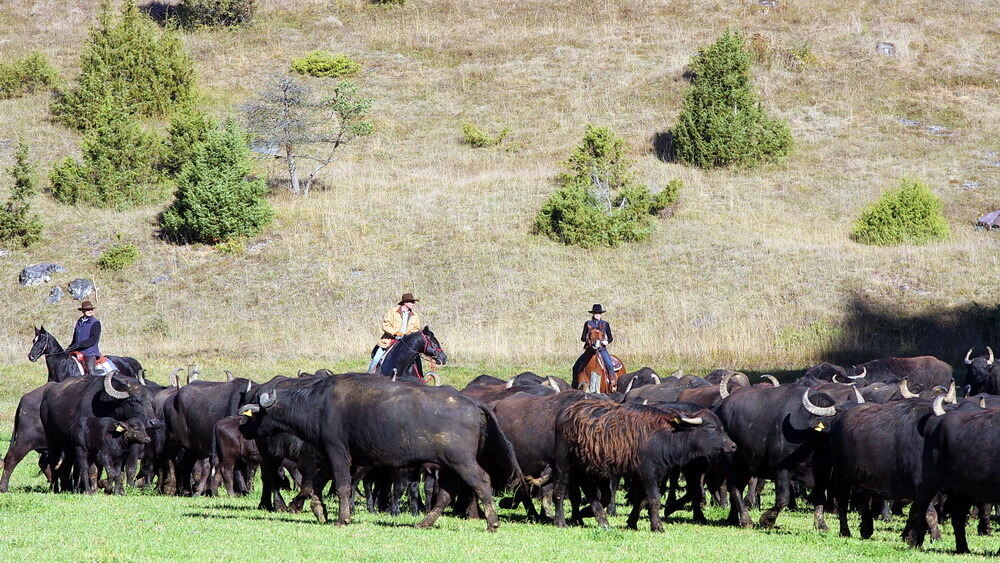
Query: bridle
[429, 348]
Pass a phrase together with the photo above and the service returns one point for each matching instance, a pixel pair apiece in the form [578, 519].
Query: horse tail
[495, 443]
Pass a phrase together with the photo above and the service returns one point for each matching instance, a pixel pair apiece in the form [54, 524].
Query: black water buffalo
[529, 421]
[104, 444]
[638, 378]
[667, 390]
[962, 460]
[601, 441]
[365, 420]
[488, 389]
[67, 403]
[28, 435]
[827, 371]
[922, 371]
[234, 457]
[197, 408]
[983, 373]
[876, 453]
[776, 430]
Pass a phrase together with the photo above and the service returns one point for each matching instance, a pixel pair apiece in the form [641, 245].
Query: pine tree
[215, 201]
[721, 122]
[131, 63]
[17, 223]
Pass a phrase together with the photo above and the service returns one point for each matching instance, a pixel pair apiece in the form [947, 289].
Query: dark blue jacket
[601, 324]
[87, 336]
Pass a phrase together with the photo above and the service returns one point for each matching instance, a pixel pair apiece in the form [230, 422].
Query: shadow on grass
[264, 517]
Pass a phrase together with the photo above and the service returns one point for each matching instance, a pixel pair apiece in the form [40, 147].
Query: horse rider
[397, 323]
[597, 322]
[87, 337]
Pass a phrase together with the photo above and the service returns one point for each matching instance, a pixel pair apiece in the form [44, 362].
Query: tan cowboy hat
[86, 306]
[407, 298]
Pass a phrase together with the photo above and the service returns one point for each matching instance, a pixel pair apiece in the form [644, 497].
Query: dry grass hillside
[756, 269]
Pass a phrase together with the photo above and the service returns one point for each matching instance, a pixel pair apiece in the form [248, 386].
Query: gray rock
[37, 274]
[80, 288]
[55, 295]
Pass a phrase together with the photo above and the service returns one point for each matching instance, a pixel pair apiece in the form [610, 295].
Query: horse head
[42, 344]
[432, 347]
[594, 338]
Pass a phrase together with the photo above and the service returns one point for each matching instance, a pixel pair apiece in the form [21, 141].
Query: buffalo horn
[989, 361]
[229, 375]
[434, 377]
[394, 370]
[724, 385]
[968, 357]
[110, 389]
[939, 405]
[141, 376]
[858, 397]
[267, 400]
[645, 402]
[742, 379]
[679, 373]
[774, 380]
[174, 380]
[904, 390]
[629, 386]
[692, 421]
[864, 372]
[552, 383]
[982, 402]
[248, 386]
[951, 396]
[837, 381]
[510, 383]
[813, 409]
[656, 378]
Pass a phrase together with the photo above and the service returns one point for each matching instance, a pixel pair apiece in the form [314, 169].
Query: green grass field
[37, 525]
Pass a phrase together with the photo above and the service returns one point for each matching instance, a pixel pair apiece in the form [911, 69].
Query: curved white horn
[510, 383]
[982, 402]
[174, 380]
[656, 378]
[248, 386]
[110, 389]
[864, 372]
[394, 370]
[692, 421]
[989, 361]
[968, 357]
[858, 397]
[774, 380]
[141, 377]
[434, 377]
[951, 397]
[939, 405]
[629, 386]
[834, 378]
[552, 383]
[904, 390]
[813, 409]
[229, 375]
[724, 385]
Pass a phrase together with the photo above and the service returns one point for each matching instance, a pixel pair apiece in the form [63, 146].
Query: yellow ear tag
[820, 427]
[247, 412]
[119, 428]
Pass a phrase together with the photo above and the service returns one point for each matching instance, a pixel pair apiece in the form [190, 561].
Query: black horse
[403, 359]
[62, 366]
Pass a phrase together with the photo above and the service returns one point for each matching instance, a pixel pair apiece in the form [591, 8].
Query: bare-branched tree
[291, 121]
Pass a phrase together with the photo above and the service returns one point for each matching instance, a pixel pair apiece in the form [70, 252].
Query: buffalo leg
[932, 523]
[959, 517]
[866, 507]
[338, 460]
[15, 453]
[782, 492]
[652, 490]
[737, 508]
[985, 510]
[592, 491]
[446, 485]
[475, 477]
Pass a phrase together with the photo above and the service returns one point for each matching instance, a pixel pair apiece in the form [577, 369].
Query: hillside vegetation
[756, 268]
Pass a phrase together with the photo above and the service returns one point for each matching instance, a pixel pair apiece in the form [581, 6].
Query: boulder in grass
[55, 295]
[989, 221]
[80, 288]
[38, 274]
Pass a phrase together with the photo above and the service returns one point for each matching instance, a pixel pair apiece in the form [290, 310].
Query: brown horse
[594, 376]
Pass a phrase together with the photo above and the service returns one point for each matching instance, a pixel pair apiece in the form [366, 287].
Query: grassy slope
[35, 522]
[750, 256]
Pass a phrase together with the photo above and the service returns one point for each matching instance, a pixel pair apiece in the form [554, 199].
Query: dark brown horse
[592, 375]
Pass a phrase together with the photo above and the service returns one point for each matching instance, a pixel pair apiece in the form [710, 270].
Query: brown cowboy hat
[597, 308]
[407, 298]
[86, 306]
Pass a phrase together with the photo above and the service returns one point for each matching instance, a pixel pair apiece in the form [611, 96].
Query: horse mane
[609, 438]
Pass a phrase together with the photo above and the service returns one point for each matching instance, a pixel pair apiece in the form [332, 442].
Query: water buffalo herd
[872, 439]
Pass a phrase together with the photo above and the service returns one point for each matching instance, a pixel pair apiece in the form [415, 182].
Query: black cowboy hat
[86, 306]
[407, 298]
[597, 308]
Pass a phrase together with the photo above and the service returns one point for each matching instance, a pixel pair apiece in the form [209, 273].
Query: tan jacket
[392, 325]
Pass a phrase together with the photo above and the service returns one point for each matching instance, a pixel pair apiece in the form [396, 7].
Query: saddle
[102, 364]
